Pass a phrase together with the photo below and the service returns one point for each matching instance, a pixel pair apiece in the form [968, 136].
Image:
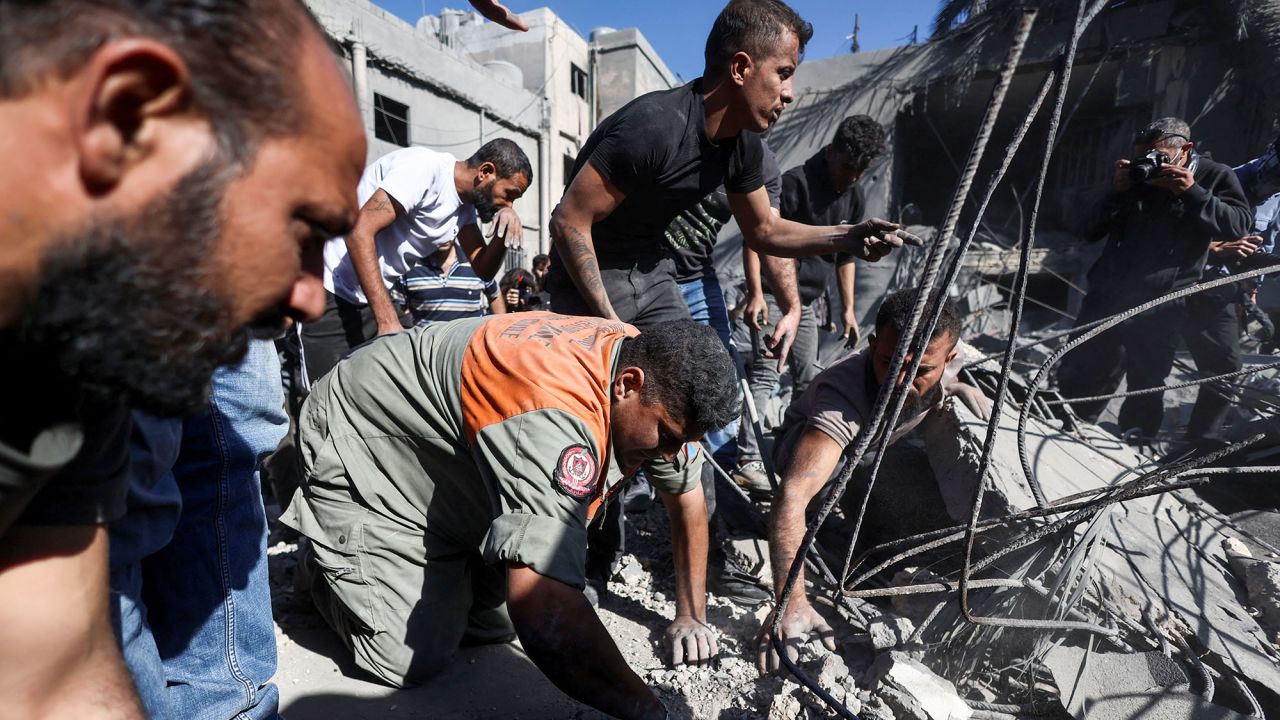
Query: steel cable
[1083, 18]
[1148, 391]
[898, 392]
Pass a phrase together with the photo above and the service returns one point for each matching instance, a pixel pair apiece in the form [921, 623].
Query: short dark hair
[687, 369]
[1161, 132]
[515, 278]
[895, 312]
[753, 27]
[861, 138]
[506, 156]
[541, 259]
[241, 54]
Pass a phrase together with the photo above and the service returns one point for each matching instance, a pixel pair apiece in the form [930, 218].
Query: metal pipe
[360, 78]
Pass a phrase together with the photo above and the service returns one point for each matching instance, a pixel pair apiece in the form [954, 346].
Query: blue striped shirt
[433, 295]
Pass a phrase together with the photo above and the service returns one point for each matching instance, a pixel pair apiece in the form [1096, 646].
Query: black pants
[642, 295]
[312, 350]
[1139, 350]
[1212, 334]
[325, 341]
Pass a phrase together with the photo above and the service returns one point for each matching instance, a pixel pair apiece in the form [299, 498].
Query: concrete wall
[547, 54]
[454, 101]
[627, 67]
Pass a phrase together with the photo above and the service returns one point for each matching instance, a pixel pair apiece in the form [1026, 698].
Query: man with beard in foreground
[825, 419]
[146, 236]
[413, 202]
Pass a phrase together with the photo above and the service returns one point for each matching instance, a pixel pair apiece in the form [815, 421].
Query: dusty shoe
[751, 477]
[738, 586]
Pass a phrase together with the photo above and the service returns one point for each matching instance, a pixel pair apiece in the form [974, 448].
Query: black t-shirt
[64, 452]
[691, 237]
[808, 197]
[656, 151]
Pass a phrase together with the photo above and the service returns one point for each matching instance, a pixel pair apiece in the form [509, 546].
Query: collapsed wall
[1155, 573]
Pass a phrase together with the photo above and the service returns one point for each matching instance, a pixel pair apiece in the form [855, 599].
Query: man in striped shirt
[443, 286]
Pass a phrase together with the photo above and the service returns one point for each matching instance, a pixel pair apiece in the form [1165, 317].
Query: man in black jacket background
[1158, 230]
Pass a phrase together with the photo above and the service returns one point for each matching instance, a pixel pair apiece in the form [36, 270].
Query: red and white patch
[576, 471]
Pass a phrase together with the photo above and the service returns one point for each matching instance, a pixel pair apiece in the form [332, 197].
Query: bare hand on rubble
[800, 624]
[496, 12]
[972, 397]
[508, 229]
[691, 641]
[874, 238]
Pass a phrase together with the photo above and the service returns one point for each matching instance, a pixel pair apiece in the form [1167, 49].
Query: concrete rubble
[1183, 605]
[915, 691]
[1154, 563]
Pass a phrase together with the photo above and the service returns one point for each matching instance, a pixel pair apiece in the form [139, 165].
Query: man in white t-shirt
[413, 202]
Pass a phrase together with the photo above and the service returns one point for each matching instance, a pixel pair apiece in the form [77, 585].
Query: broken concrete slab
[1261, 578]
[913, 690]
[1161, 552]
[1087, 679]
[889, 631]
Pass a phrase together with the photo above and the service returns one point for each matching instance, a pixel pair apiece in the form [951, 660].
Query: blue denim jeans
[706, 305]
[188, 561]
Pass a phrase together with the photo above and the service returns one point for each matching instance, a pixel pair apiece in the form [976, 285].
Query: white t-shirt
[421, 180]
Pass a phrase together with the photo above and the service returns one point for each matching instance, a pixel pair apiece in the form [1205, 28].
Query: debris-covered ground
[1182, 599]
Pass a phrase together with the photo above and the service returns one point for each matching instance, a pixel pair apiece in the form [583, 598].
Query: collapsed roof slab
[1163, 553]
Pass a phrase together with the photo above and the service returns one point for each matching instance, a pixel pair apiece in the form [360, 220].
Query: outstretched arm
[495, 11]
[564, 638]
[768, 234]
[692, 640]
[589, 199]
[812, 462]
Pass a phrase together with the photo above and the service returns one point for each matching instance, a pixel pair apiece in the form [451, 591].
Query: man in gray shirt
[826, 419]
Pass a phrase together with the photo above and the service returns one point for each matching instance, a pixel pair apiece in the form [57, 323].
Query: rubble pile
[1188, 612]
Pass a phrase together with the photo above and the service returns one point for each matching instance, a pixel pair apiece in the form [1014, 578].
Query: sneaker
[751, 476]
[733, 583]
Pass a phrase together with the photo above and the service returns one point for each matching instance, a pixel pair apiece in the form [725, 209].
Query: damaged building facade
[1212, 63]
[452, 81]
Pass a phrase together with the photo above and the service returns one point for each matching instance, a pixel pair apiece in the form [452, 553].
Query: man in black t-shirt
[822, 191]
[664, 152]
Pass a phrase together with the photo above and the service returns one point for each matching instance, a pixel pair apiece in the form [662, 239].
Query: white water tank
[506, 73]
[602, 30]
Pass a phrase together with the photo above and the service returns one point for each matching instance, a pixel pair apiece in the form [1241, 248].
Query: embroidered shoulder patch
[575, 473]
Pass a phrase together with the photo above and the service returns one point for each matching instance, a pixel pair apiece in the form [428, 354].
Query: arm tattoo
[582, 258]
[383, 205]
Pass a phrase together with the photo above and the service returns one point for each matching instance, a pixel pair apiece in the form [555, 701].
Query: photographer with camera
[1214, 317]
[518, 291]
[1167, 204]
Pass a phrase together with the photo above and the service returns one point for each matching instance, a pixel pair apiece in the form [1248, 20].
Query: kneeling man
[451, 471]
[825, 419]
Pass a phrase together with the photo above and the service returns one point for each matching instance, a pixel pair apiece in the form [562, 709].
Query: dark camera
[529, 297]
[1142, 169]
